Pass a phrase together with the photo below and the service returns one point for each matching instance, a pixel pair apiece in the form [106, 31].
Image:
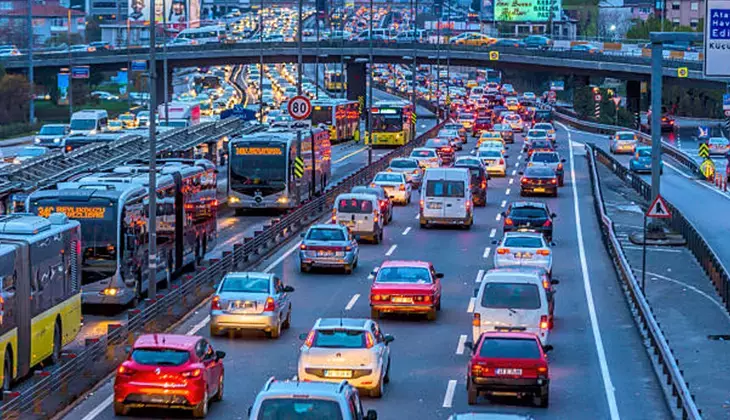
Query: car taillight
[543, 252]
[375, 216]
[502, 251]
[373, 185]
[477, 320]
[553, 181]
[334, 216]
[215, 304]
[508, 222]
[369, 340]
[484, 184]
[501, 161]
[523, 180]
[420, 203]
[447, 149]
[546, 284]
[195, 373]
[547, 223]
[270, 305]
[479, 370]
[302, 247]
[560, 165]
[544, 322]
[348, 248]
[124, 370]
[402, 187]
[383, 204]
[309, 342]
[467, 205]
[542, 372]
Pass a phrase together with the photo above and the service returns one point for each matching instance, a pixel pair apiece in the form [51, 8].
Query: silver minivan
[361, 213]
[446, 197]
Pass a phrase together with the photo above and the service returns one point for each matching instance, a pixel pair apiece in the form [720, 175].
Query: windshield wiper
[512, 311]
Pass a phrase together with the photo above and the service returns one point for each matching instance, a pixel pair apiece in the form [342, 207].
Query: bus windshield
[258, 167]
[322, 115]
[388, 123]
[77, 124]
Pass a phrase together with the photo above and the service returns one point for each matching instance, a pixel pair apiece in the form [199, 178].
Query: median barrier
[54, 393]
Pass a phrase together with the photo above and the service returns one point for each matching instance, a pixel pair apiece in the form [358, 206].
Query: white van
[361, 213]
[446, 197]
[512, 299]
[89, 121]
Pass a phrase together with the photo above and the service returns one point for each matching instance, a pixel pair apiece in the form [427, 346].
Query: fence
[670, 368]
[56, 389]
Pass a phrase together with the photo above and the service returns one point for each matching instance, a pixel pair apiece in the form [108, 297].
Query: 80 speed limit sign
[299, 107]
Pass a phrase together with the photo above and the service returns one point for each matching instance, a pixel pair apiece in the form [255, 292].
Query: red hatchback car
[406, 287]
[508, 363]
[169, 371]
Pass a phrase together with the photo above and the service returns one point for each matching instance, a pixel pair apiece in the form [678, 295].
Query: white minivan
[361, 213]
[512, 299]
[446, 197]
[89, 121]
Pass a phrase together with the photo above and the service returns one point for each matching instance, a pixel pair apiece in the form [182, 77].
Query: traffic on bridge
[362, 210]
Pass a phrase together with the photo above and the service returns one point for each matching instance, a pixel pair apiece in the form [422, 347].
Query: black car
[386, 205]
[529, 216]
[539, 180]
[543, 115]
[479, 178]
[443, 148]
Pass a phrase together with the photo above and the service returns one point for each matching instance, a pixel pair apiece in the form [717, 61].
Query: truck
[182, 114]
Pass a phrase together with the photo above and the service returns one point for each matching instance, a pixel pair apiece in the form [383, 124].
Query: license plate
[242, 305]
[523, 255]
[434, 206]
[508, 372]
[323, 253]
[401, 299]
[539, 189]
[338, 374]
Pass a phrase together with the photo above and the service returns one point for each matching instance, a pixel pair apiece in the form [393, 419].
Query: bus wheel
[7, 369]
[56, 353]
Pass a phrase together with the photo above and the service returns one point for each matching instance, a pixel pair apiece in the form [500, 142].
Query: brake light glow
[375, 216]
[543, 252]
[523, 180]
[421, 204]
[508, 222]
[369, 340]
[402, 187]
[484, 183]
[553, 181]
[309, 342]
[502, 251]
[547, 223]
[302, 247]
[560, 165]
[123, 370]
[270, 305]
[544, 322]
[479, 370]
[501, 161]
[477, 320]
[215, 304]
[195, 373]
[546, 284]
[334, 216]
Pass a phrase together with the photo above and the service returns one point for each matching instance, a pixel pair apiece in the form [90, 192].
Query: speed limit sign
[299, 107]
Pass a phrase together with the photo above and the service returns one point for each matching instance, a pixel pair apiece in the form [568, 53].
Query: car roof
[349, 323]
[327, 226]
[171, 341]
[318, 389]
[359, 196]
[405, 263]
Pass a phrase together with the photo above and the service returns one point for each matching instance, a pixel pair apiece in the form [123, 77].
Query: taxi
[474, 39]
[494, 160]
[114, 125]
[466, 119]
[718, 145]
[405, 287]
[487, 136]
[512, 103]
[129, 120]
[505, 130]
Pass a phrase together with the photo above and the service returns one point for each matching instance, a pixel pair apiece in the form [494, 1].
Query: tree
[14, 99]
[93, 30]
[642, 28]
[476, 6]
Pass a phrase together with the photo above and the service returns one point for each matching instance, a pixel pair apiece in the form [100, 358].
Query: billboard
[526, 10]
[63, 86]
[180, 14]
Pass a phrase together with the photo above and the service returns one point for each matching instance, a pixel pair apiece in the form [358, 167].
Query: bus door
[22, 309]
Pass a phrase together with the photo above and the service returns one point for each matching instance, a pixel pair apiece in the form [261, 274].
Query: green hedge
[8, 131]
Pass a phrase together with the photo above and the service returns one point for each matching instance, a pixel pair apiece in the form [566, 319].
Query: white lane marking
[499, 217]
[692, 288]
[449, 397]
[487, 250]
[282, 257]
[504, 203]
[460, 344]
[492, 232]
[480, 273]
[352, 301]
[417, 216]
[391, 250]
[511, 180]
[199, 326]
[507, 191]
[470, 308]
[514, 171]
[99, 408]
[517, 164]
[607, 383]
[678, 171]
[405, 232]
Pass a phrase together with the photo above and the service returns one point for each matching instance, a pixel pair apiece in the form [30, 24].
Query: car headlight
[57, 140]
[37, 140]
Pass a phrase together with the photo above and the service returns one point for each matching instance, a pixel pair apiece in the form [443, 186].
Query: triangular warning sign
[659, 209]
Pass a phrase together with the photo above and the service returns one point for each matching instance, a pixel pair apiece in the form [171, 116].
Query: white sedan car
[524, 249]
[395, 185]
[426, 157]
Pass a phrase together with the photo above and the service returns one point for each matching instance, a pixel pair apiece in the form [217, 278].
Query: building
[685, 12]
[640, 9]
[50, 20]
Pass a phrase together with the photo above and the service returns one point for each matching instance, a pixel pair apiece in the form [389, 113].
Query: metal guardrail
[57, 389]
[678, 155]
[670, 367]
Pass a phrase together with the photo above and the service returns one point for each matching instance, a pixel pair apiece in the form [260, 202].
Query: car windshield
[537, 133]
[160, 357]
[718, 141]
[541, 144]
[418, 275]
[509, 348]
[423, 153]
[539, 171]
[542, 126]
[436, 143]
[126, 117]
[502, 127]
[354, 205]
[299, 408]
[523, 242]
[376, 191]
[236, 284]
[443, 188]
[644, 152]
[626, 136]
[319, 234]
[77, 124]
[545, 157]
[50, 130]
[403, 164]
[388, 177]
[490, 153]
[511, 295]
[349, 339]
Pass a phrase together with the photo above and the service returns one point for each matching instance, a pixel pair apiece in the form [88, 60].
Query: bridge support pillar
[356, 83]
[633, 100]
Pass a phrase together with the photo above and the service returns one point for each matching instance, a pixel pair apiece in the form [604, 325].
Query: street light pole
[438, 70]
[31, 107]
[342, 56]
[415, 52]
[369, 102]
[152, 223]
[316, 59]
[261, 62]
[164, 63]
[300, 30]
[130, 83]
[70, 68]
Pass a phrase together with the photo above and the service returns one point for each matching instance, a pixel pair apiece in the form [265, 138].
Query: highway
[599, 368]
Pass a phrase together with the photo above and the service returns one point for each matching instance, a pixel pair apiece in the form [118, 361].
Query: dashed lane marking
[487, 250]
[492, 232]
[352, 301]
[470, 308]
[405, 232]
[504, 203]
[480, 273]
[391, 250]
[460, 344]
[449, 397]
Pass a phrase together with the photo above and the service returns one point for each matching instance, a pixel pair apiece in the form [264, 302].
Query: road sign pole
[656, 115]
[300, 27]
[152, 190]
[643, 260]
[369, 101]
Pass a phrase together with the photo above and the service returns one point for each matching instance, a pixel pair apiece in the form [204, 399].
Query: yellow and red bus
[40, 300]
[393, 123]
[340, 116]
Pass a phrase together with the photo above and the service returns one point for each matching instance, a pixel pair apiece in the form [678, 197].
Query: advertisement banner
[717, 38]
[62, 84]
[80, 72]
[527, 10]
[557, 85]
[139, 11]
[180, 14]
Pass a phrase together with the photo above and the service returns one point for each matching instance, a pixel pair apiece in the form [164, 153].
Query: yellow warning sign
[682, 72]
[704, 150]
[708, 169]
[298, 167]
[414, 117]
[494, 55]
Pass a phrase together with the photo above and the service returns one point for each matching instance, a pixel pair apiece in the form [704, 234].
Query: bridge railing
[644, 316]
[53, 391]
[678, 155]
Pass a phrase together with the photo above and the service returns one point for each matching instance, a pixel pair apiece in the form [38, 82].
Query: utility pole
[130, 83]
[316, 59]
[656, 116]
[261, 62]
[31, 107]
[164, 64]
[70, 67]
[415, 52]
[438, 70]
[342, 47]
[152, 194]
[300, 30]
[369, 102]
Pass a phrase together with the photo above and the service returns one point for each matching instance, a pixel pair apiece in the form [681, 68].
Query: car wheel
[219, 394]
[377, 392]
[438, 305]
[386, 378]
[561, 181]
[348, 269]
[7, 370]
[56, 352]
[543, 399]
[120, 409]
[374, 313]
[276, 331]
[431, 314]
[304, 268]
[471, 393]
[214, 331]
[555, 193]
[423, 224]
[287, 322]
[201, 410]
[354, 265]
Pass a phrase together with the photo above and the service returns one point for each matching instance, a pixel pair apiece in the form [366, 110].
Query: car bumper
[505, 262]
[510, 385]
[265, 321]
[539, 190]
[138, 395]
[347, 259]
[362, 378]
[397, 195]
[541, 334]
[547, 232]
[406, 308]
[446, 220]
[497, 170]
[624, 149]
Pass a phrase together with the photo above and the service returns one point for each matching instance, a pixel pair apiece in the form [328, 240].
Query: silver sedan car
[408, 167]
[524, 249]
[395, 185]
[251, 301]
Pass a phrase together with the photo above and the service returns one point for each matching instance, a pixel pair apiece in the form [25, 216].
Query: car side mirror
[476, 291]
[546, 348]
[506, 148]
[388, 338]
[554, 282]
[562, 160]
[506, 156]
[288, 289]
[301, 235]
[495, 242]
[521, 172]
[469, 345]
[552, 244]
[303, 336]
[219, 354]
[439, 275]
[553, 215]
[504, 214]
[371, 415]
